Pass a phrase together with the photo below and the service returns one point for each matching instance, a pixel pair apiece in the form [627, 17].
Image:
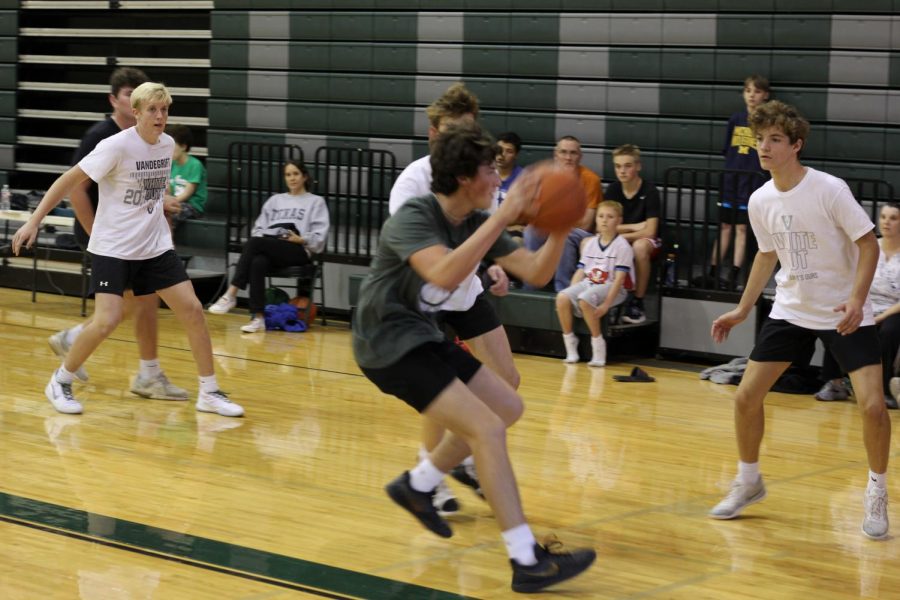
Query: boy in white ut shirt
[131, 245]
[811, 223]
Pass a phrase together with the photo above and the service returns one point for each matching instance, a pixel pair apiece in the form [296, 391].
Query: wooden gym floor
[145, 499]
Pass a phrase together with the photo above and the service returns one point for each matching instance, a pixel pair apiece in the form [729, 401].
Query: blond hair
[612, 204]
[454, 103]
[628, 150]
[149, 92]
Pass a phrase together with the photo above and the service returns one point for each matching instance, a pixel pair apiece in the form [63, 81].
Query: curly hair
[785, 117]
[455, 102]
[459, 152]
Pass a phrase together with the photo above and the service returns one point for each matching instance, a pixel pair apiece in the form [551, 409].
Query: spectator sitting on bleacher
[603, 279]
[290, 229]
[509, 145]
[640, 221]
[567, 154]
[186, 197]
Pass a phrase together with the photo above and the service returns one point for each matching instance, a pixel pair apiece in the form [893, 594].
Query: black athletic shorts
[780, 341]
[424, 372]
[729, 213]
[114, 275]
[478, 320]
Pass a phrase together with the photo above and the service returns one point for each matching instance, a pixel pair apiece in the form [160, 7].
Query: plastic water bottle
[672, 267]
[5, 196]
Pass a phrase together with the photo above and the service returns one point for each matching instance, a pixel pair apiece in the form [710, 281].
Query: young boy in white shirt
[811, 223]
[602, 280]
[131, 245]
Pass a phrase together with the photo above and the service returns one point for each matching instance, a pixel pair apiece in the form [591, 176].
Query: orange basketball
[560, 203]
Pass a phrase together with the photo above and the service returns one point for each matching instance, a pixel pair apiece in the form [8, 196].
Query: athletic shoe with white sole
[157, 388]
[218, 402]
[61, 397]
[223, 305]
[740, 497]
[255, 324]
[875, 524]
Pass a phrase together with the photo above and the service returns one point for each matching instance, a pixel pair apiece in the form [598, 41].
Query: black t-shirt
[93, 136]
[644, 205]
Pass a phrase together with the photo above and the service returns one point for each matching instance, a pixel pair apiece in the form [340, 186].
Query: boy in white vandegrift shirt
[810, 222]
[131, 245]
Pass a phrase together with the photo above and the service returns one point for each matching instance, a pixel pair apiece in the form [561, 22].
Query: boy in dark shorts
[131, 245]
[431, 245]
[811, 223]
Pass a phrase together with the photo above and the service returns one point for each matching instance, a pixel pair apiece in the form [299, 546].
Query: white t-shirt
[600, 263]
[812, 228]
[885, 291]
[132, 177]
[413, 182]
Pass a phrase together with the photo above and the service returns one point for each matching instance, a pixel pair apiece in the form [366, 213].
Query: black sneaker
[420, 504]
[467, 475]
[553, 565]
[635, 313]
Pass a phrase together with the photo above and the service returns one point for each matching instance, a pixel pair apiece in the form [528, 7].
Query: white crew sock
[150, 368]
[209, 384]
[424, 477]
[520, 544]
[878, 480]
[63, 376]
[748, 473]
[72, 333]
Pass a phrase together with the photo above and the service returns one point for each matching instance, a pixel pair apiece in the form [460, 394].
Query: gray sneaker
[60, 347]
[832, 391]
[740, 497]
[157, 388]
[875, 524]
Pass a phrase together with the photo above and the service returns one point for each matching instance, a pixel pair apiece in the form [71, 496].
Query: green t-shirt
[191, 171]
[396, 306]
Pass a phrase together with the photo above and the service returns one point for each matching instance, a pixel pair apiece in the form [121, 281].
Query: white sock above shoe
[877, 479]
[72, 333]
[150, 369]
[424, 477]
[748, 473]
[570, 341]
[64, 376]
[209, 384]
[520, 544]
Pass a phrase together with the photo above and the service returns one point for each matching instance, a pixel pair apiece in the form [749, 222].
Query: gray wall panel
[852, 68]
[270, 25]
[432, 58]
[440, 27]
[583, 62]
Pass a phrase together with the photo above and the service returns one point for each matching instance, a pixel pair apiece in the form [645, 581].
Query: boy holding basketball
[810, 222]
[603, 280]
[131, 245]
[426, 250]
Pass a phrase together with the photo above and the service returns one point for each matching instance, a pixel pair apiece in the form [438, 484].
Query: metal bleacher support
[66, 52]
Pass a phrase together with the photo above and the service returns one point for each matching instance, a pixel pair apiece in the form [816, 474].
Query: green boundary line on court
[201, 552]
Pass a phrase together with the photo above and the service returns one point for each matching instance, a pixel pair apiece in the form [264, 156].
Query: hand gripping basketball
[560, 202]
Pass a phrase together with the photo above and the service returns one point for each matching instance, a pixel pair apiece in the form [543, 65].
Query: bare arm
[637, 231]
[865, 271]
[27, 233]
[536, 268]
[81, 204]
[763, 265]
[617, 283]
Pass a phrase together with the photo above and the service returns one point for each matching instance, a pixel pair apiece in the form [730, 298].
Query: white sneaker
[157, 388]
[218, 402]
[60, 396]
[875, 524]
[223, 305]
[445, 500]
[571, 350]
[60, 346]
[599, 349]
[740, 497]
[255, 324]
